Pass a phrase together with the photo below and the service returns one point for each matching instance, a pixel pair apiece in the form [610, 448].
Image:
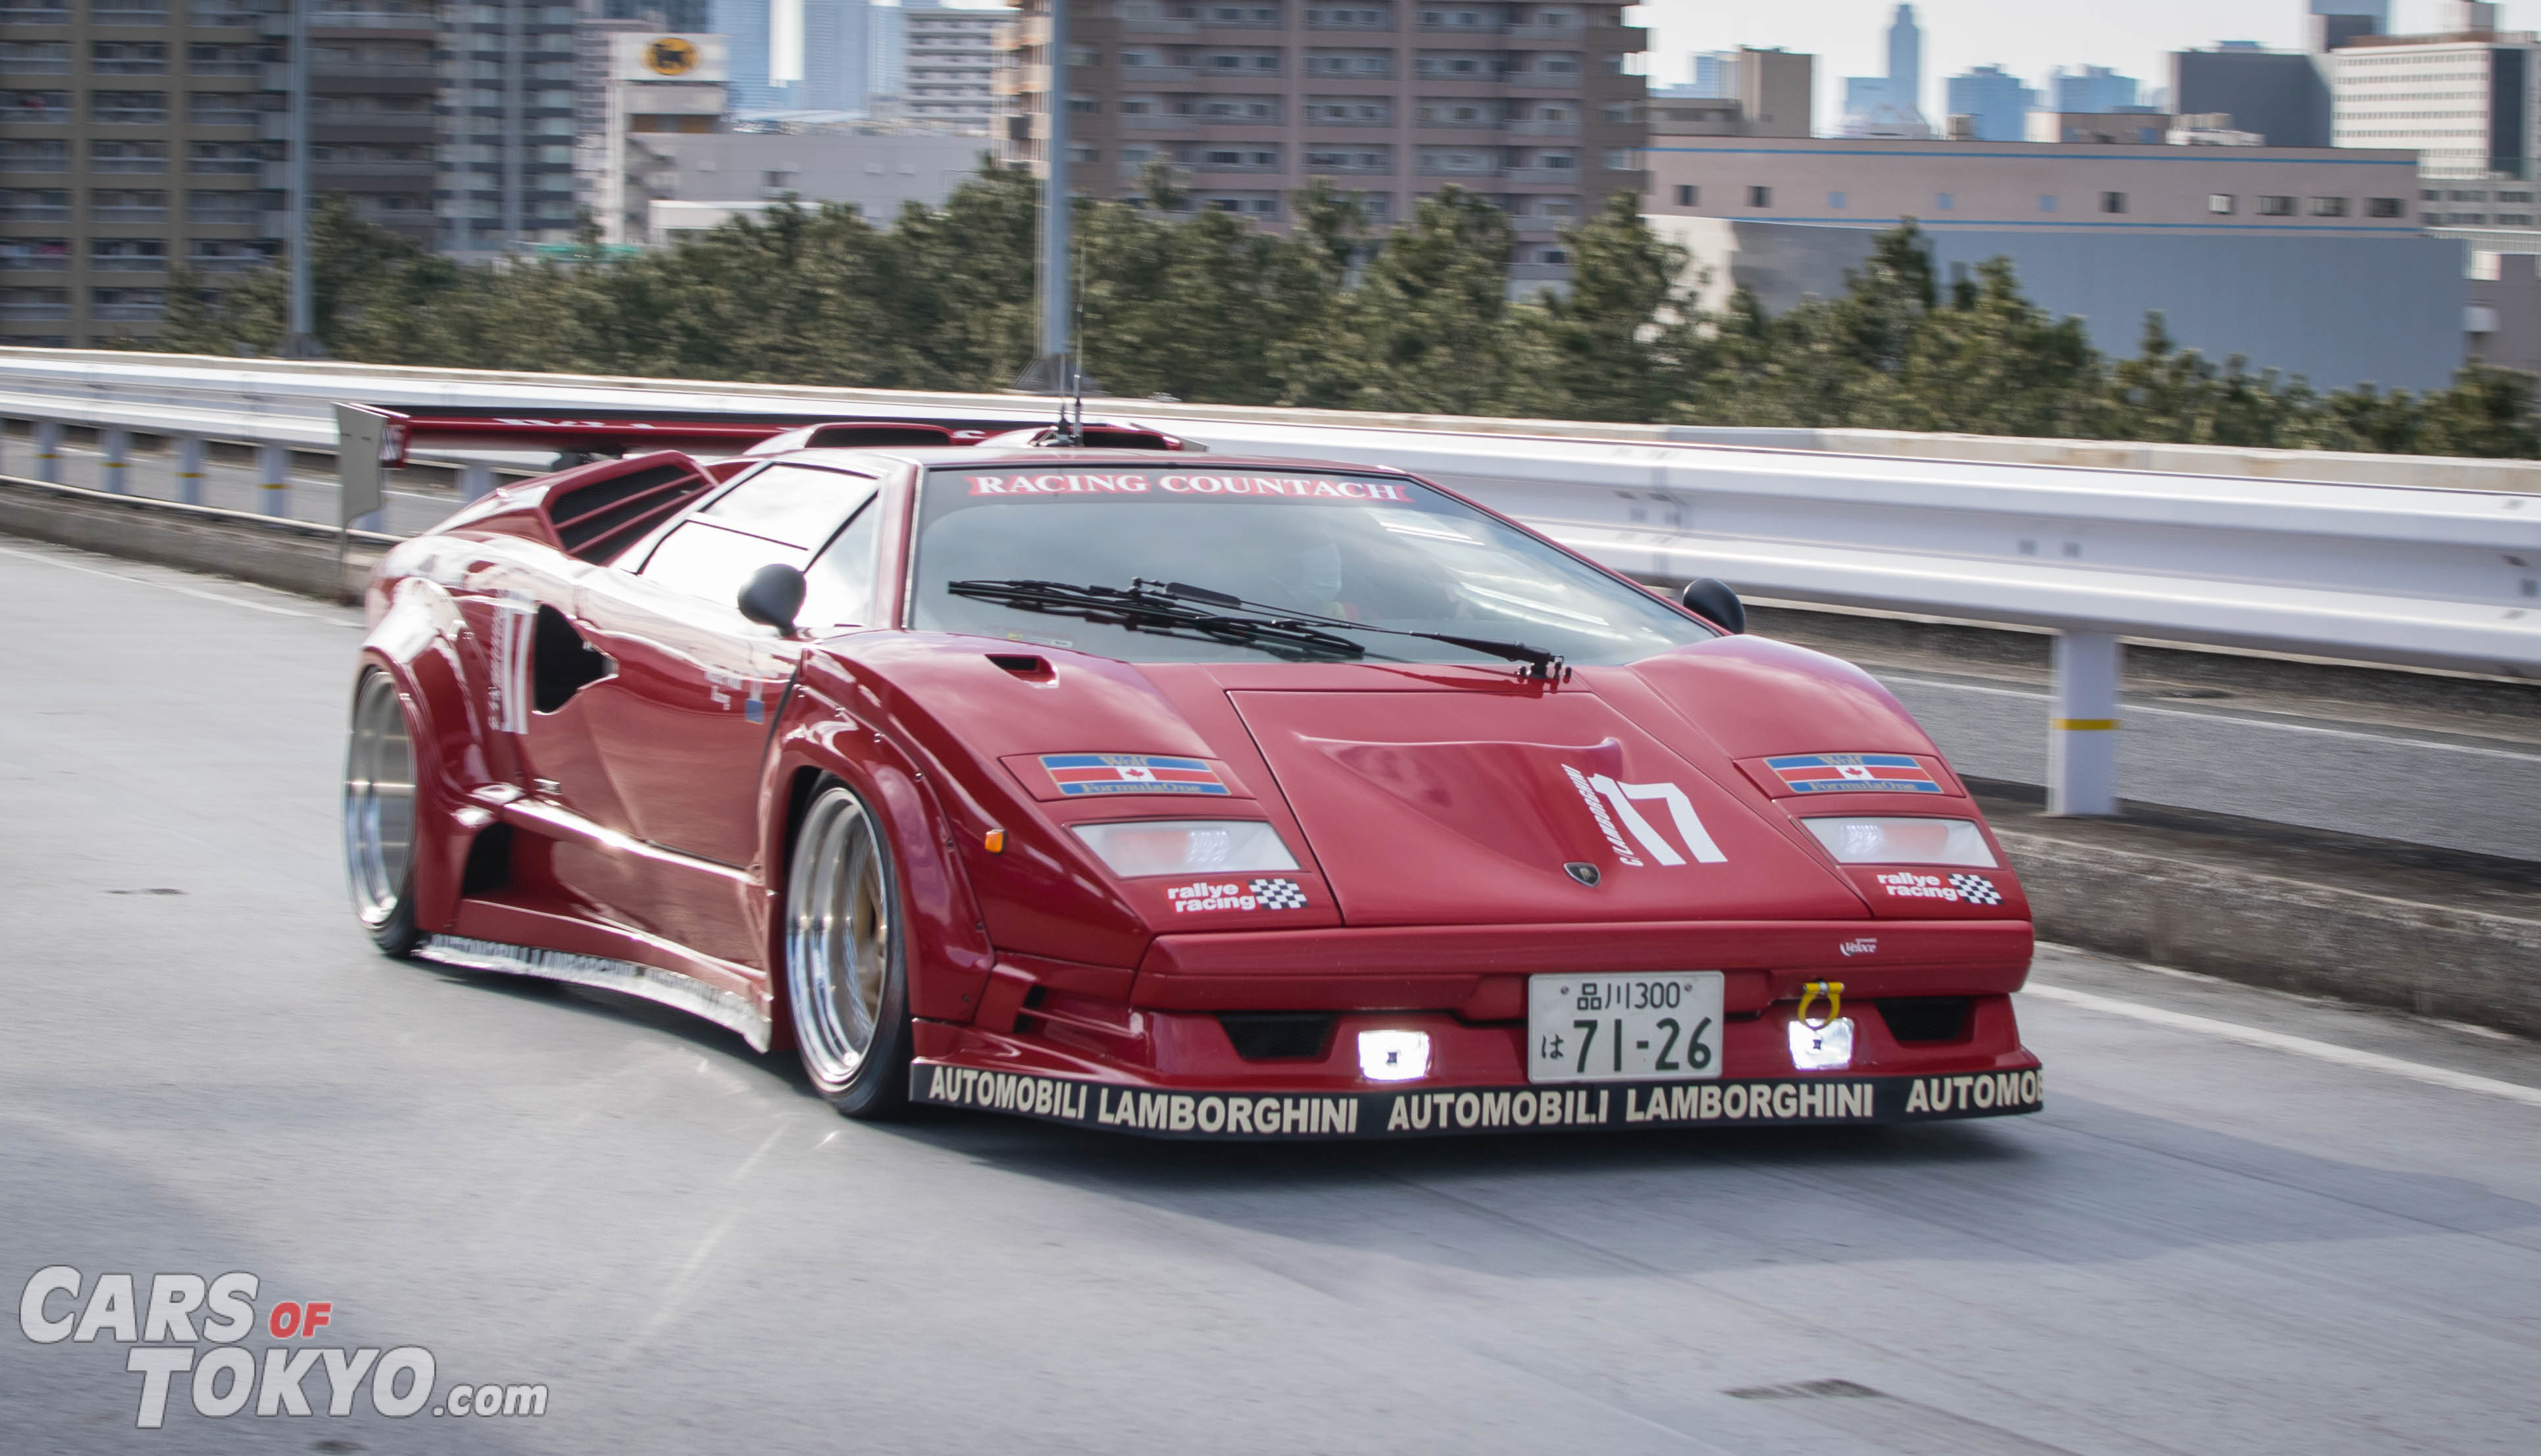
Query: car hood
[1429, 795]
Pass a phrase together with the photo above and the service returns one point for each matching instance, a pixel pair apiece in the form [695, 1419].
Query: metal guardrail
[2389, 574]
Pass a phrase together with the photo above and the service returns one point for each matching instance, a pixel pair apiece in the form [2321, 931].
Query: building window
[1837, 201]
[1945, 203]
[2386, 207]
[2113, 202]
[1688, 197]
[2047, 205]
[2222, 202]
[1760, 197]
[2329, 208]
[2270, 206]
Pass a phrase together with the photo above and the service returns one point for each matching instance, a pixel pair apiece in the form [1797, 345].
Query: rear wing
[599, 433]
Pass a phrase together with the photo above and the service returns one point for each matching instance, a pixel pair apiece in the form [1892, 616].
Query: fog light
[1393, 1055]
[1824, 1047]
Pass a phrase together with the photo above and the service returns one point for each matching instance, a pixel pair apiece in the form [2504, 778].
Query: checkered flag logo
[1278, 894]
[1976, 890]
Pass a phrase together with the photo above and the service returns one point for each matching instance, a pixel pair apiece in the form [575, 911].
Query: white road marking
[165, 586]
[2251, 1035]
[2146, 711]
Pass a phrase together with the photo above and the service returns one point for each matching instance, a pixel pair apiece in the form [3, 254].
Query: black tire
[846, 963]
[380, 814]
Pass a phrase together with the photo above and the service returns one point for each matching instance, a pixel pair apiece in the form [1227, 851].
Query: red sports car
[1151, 790]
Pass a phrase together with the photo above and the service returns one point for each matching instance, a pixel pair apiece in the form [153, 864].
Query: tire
[380, 814]
[847, 967]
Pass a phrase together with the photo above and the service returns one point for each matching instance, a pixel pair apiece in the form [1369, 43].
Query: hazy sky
[2028, 38]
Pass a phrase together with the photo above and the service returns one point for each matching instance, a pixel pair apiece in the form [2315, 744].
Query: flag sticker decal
[1131, 773]
[1837, 773]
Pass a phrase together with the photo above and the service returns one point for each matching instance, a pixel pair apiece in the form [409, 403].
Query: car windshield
[1389, 553]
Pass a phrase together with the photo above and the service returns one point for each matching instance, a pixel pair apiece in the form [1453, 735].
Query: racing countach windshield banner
[1430, 1113]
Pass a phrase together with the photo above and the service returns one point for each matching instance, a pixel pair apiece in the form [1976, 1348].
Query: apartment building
[137, 135]
[506, 125]
[935, 67]
[1530, 105]
[2463, 100]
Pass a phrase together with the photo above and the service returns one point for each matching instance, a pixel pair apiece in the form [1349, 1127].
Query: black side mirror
[1716, 603]
[773, 597]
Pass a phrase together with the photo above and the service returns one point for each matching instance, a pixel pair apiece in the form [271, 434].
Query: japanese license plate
[1651, 1027]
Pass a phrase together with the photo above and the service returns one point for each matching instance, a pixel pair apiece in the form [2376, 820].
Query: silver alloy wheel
[379, 801]
[839, 936]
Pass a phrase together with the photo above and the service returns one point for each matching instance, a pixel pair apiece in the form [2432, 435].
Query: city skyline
[1848, 36]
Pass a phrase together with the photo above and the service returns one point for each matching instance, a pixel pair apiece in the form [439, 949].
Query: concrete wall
[877, 172]
[2339, 311]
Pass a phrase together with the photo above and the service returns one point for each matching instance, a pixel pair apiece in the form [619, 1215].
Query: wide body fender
[418, 638]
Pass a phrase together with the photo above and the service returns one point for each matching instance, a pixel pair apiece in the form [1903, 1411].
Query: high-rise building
[2089, 88]
[141, 135]
[1715, 76]
[1891, 106]
[749, 26]
[2280, 94]
[1995, 103]
[2464, 100]
[508, 125]
[836, 36]
[941, 65]
[886, 49]
[1758, 92]
[1529, 105]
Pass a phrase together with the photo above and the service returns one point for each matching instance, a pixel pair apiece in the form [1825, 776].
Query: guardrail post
[48, 451]
[190, 469]
[476, 480]
[273, 479]
[116, 447]
[2083, 731]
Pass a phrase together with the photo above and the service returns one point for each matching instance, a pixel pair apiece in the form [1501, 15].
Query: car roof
[866, 458]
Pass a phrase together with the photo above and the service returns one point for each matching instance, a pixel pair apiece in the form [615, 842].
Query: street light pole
[300, 337]
[1049, 373]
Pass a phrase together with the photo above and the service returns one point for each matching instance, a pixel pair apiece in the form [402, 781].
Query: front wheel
[846, 976]
[379, 815]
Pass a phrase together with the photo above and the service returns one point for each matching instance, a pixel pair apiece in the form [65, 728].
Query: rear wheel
[846, 976]
[379, 815]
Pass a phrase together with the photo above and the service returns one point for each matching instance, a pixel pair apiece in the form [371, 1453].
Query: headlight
[1187, 847]
[1903, 840]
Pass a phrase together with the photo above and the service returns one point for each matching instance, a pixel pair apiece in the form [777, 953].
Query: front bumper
[1430, 1112]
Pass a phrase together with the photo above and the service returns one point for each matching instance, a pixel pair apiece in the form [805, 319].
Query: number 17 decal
[1598, 790]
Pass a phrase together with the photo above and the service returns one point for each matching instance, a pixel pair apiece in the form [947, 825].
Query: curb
[289, 555]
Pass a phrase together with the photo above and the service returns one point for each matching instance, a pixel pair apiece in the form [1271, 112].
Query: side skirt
[668, 987]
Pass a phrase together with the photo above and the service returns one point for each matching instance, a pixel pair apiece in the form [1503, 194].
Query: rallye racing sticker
[1416, 1114]
[1955, 889]
[1131, 773]
[1229, 895]
[1836, 774]
[1596, 790]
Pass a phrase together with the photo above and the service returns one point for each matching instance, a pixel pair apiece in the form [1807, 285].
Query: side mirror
[1716, 603]
[773, 597]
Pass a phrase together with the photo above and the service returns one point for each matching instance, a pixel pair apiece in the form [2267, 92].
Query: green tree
[1618, 343]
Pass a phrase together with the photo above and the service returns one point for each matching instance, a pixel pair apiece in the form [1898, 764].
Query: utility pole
[300, 337]
[1048, 372]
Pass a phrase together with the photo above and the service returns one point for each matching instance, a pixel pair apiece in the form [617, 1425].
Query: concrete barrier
[288, 555]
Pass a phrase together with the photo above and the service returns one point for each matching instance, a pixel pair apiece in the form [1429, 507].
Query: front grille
[1277, 1036]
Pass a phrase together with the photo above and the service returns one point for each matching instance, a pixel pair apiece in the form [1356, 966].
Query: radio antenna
[1075, 434]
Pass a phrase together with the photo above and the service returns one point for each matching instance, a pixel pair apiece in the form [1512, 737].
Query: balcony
[127, 264]
[34, 65]
[1150, 122]
[1457, 174]
[127, 213]
[112, 12]
[1156, 75]
[1158, 26]
[35, 311]
[127, 164]
[1543, 128]
[1543, 176]
[128, 116]
[57, 113]
[14, 210]
[202, 264]
[1571, 34]
[56, 261]
[371, 18]
[126, 313]
[1543, 80]
[1237, 169]
[34, 15]
[224, 15]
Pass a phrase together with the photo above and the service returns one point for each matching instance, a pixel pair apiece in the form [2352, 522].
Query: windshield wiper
[1141, 609]
[1539, 664]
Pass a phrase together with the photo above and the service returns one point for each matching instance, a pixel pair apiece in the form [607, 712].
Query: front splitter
[1430, 1112]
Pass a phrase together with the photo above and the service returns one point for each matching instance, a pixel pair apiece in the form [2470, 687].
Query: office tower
[2280, 94]
[1996, 102]
[1715, 75]
[837, 34]
[749, 26]
[1891, 105]
[2463, 100]
[2090, 89]
[936, 67]
[507, 127]
[1529, 105]
[138, 135]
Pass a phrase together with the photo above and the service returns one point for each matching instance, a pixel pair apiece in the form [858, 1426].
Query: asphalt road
[2246, 1223]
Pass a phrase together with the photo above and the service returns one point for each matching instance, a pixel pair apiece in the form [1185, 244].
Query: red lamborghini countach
[1157, 791]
